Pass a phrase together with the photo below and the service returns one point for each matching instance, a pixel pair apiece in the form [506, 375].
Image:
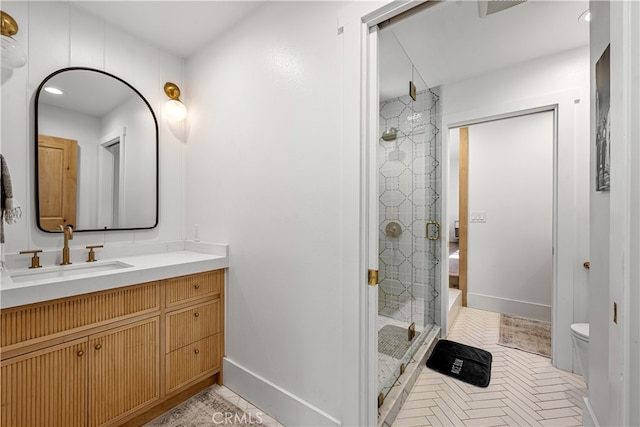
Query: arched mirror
[96, 153]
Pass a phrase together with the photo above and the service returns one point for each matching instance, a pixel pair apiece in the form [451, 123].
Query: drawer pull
[196, 286]
[80, 353]
[196, 314]
[196, 351]
[98, 346]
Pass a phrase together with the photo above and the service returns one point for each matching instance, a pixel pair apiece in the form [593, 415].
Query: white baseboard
[589, 418]
[285, 407]
[510, 306]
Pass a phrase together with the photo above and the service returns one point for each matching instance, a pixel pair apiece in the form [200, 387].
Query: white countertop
[164, 261]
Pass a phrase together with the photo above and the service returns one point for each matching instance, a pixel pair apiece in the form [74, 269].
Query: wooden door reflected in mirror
[57, 181]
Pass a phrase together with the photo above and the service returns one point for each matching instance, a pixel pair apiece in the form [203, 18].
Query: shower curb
[398, 394]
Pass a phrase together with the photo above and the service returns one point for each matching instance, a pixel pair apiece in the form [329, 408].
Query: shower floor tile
[388, 366]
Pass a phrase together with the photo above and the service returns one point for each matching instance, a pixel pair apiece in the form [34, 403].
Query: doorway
[502, 198]
[549, 84]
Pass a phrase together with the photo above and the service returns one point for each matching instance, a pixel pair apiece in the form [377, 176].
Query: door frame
[565, 269]
[463, 217]
[359, 334]
[359, 249]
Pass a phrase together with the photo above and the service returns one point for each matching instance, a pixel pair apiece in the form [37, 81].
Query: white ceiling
[450, 42]
[86, 92]
[180, 27]
[447, 42]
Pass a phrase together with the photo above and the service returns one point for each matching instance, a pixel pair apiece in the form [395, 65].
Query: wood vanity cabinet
[112, 357]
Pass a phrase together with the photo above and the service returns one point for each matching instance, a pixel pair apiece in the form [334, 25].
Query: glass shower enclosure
[409, 189]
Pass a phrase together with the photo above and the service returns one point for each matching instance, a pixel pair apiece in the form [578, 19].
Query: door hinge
[373, 277]
[412, 331]
[380, 399]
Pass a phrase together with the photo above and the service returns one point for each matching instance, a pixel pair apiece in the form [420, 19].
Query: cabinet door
[46, 387]
[124, 370]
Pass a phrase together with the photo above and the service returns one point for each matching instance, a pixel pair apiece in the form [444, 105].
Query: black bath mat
[469, 364]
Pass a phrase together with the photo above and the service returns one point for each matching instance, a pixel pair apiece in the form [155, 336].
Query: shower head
[390, 134]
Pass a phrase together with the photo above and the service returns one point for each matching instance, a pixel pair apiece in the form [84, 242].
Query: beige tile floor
[525, 390]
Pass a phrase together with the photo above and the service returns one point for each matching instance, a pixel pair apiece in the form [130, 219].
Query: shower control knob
[393, 230]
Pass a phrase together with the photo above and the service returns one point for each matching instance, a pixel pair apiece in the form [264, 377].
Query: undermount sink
[66, 271]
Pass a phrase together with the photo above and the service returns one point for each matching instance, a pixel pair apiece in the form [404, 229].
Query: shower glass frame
[409, 194]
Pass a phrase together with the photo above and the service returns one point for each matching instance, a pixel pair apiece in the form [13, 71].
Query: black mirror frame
[37, 178]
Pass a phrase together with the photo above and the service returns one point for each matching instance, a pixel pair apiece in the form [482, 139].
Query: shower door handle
[433, 230]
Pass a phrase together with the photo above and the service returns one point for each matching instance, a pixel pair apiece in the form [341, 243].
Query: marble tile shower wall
[409, 181]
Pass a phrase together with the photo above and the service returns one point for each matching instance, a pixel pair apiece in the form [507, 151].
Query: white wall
[632, 303]
[85, 129]
[561, 79]
[57, 35]
[599, 232]
[264, 175]
[511, 184]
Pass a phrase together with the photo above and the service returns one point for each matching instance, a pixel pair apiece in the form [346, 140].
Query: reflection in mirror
[96, 153]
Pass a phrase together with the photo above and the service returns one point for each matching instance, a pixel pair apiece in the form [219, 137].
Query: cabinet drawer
[190, 362]
[36, 322]
[188, 288]
[192, 324]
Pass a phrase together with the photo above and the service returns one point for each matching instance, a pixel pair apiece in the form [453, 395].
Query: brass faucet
[68, 235]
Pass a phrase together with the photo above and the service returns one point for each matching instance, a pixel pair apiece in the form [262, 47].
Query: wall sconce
[13, 55]
[174, 108]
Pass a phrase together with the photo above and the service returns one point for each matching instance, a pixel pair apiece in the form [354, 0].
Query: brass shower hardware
[411, 331]
[433, 230]
[373, 277]
[412, 90]
[587, 265]
[35, 259]
[91, 257]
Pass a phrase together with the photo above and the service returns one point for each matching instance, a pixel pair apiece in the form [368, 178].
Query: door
[124, 370]
[46, 388]
[57, 181]
[408, 211]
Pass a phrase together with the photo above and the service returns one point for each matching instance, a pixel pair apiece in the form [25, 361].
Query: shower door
[408, 160]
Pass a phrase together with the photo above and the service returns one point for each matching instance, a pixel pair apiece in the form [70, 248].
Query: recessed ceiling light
[53, 90]
[585, 17]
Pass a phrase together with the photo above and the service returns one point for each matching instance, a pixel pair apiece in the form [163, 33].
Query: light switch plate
[478, 217]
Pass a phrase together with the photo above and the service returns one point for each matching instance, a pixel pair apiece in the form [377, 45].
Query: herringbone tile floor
[525, 390]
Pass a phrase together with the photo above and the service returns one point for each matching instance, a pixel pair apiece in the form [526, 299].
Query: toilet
[580, 338]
